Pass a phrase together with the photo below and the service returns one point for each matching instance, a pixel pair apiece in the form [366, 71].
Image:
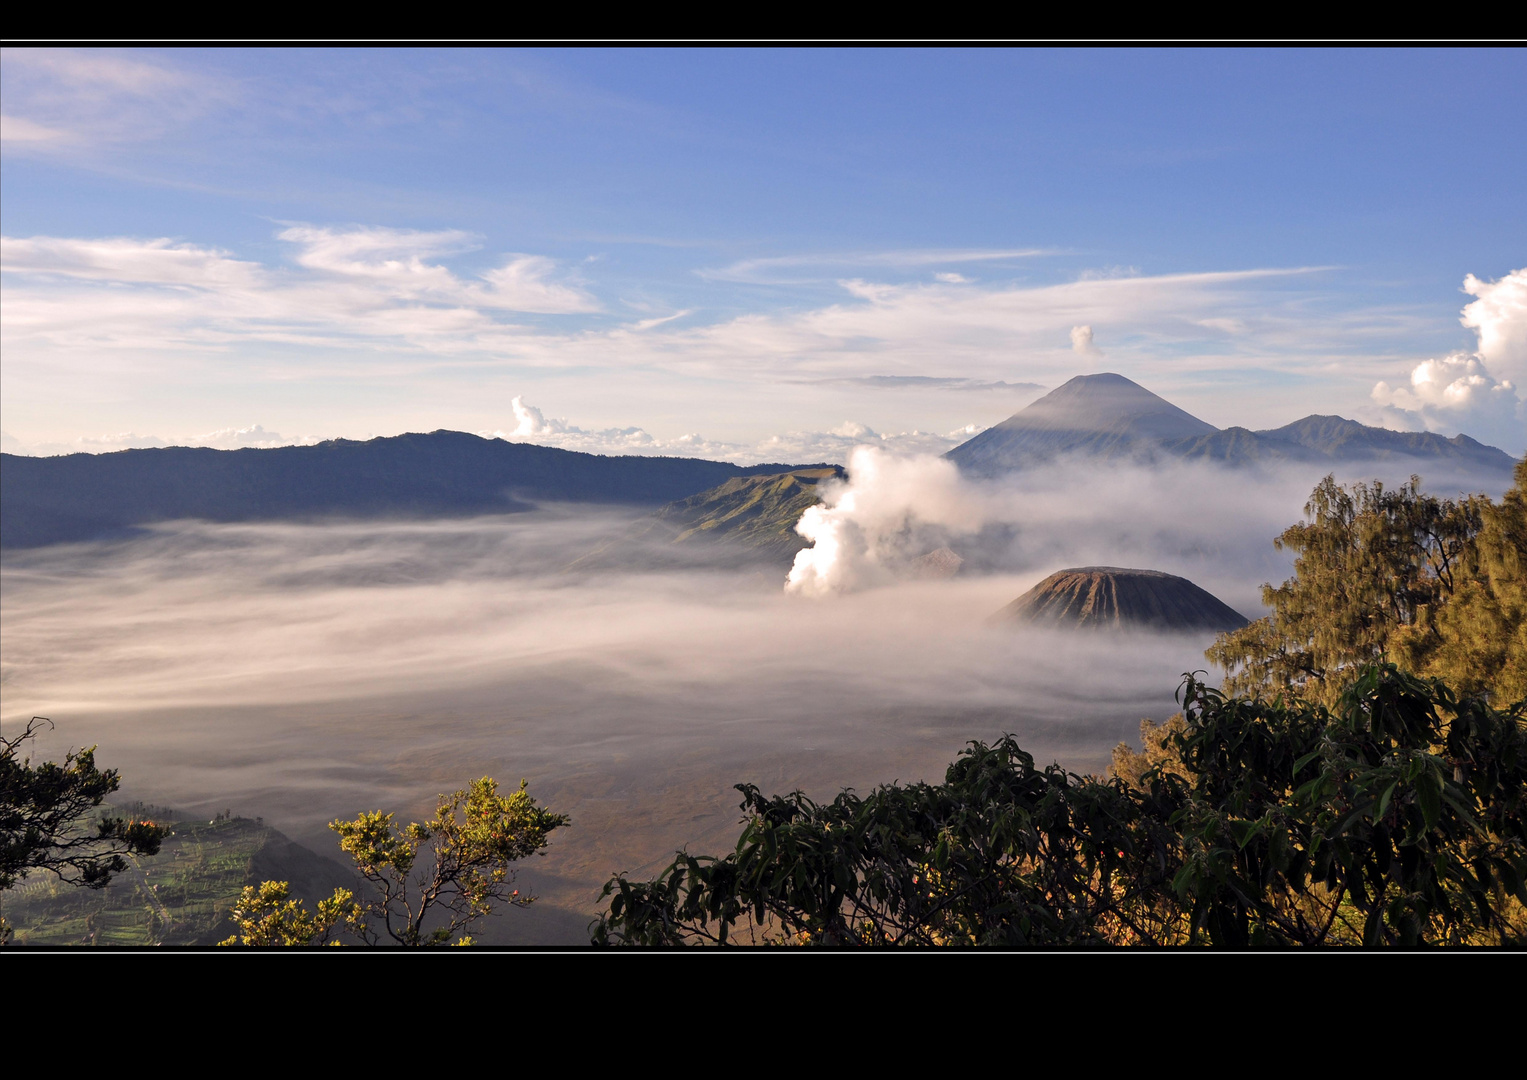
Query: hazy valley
[632, 649]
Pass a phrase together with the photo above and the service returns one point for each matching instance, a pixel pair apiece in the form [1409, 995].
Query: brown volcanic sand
[1110, 596]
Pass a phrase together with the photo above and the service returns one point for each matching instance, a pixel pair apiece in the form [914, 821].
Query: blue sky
[752, 254]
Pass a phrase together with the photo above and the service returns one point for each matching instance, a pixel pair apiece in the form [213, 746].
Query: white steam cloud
[1478, 391]
[860, 531]
[1200, 520]
[1081, 342]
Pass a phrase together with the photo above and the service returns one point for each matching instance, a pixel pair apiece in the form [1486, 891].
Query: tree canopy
[1436, 585]
[449, 871]
[45, 819]
[1394, 818]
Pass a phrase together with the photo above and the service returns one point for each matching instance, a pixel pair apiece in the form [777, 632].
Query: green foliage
[1394, 819]
[1371, 565]
[1478, 640]
[1158, 751]
[455, 867]
[265, 916]
[1001, 853]
[44, 818]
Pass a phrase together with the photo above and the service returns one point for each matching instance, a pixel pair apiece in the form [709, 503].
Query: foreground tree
[1437, 586]
[266, 916]
[1478, 640]
[1397, 818]
[45, 819]
[454, 867]
[1370, 563]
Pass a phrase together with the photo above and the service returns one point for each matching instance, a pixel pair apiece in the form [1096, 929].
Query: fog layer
[308, 672]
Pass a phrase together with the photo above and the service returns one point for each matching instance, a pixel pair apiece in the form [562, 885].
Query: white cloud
[387, 289]
[232, 438]
[1477, 393]
[364, 286]
[127, 261]
[529, 420]
[787, 269]
[1499, 317]
[16, 129]
[1081, 342]
[236, 438]
[531, 424]
[82, 101]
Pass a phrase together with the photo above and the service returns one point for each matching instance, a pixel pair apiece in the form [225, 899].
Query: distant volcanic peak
[1111, 596]
[1108, 402]
[938, 564]
[1103, 415]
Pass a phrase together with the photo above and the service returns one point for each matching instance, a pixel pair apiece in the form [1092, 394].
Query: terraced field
[179, 897]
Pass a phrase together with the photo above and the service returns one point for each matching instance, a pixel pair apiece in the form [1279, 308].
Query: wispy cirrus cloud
[382, 289]
[789, 269]
[79, 100]
[346, 287]
[353, 302]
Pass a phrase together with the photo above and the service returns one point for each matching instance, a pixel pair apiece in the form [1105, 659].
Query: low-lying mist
[305, 672]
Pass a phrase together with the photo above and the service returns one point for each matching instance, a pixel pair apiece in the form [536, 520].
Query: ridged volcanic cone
[1110, 596]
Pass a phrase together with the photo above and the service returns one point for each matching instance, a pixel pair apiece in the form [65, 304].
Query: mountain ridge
[1109, 416]
[439, 474]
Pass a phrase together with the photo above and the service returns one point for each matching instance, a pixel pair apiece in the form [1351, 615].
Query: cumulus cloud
[1499, 317]
[533, 425]
[1081, 342]
[1478, 393]
[529, 420]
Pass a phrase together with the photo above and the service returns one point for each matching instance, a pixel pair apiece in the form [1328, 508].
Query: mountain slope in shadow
[442, 474]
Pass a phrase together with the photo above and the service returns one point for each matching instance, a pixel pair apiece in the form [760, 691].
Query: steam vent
[1107, 596]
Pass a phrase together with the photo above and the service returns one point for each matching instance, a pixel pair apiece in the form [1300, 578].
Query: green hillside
[179, 897]
[745, 519]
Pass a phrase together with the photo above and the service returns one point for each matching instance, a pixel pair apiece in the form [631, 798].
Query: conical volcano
[1110, 596]
[1103, 414]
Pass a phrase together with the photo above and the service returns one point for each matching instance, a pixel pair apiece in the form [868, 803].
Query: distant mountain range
[46, 500]
[1108, 416]
[443, 474]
